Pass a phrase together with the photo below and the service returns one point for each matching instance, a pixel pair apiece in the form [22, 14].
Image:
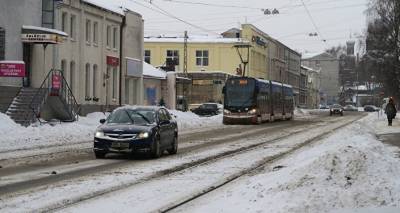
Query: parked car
[350, 108]
[371, 108]
[207, 109]
[336, 109]
[323, 106]
[137, 129]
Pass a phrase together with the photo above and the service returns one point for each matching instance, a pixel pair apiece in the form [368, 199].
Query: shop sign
[202, 82]
[260, 41]
[12, 69]
[41, 38]
[112, 61]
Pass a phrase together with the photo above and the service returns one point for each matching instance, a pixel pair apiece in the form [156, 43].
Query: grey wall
[14, 14]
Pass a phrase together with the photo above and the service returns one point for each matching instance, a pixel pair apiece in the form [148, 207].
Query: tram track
[165, 172]
[43, 175]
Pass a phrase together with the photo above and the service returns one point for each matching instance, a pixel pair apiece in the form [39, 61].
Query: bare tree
[383, 43]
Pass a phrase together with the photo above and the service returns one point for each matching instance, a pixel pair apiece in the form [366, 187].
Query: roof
[193, 39]
[44, 30]
[112, 6]
[149, 70]
[313, 55]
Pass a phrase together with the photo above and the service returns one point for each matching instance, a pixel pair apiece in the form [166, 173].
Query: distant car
[323, 106]
[370, 108]
[350, 108]
[137, 129]
[336, 109]
[207, 109]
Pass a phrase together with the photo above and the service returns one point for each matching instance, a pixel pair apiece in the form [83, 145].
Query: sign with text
[12, 69]
[55, 85]
[41, 38]
[113, 61]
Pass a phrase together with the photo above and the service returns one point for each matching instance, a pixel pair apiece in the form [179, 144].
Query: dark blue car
[137, 129]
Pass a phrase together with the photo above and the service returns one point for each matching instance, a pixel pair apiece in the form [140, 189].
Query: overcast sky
[334, 20]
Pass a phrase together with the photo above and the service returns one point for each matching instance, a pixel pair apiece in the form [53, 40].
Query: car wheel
[174, 147]
[100, 155]
[155, 147]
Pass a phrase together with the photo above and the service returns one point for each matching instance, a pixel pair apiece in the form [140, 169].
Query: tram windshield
[239, 93]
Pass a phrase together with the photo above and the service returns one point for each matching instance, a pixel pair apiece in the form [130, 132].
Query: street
[203, 163]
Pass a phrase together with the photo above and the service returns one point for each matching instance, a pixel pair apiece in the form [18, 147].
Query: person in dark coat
[390, 111]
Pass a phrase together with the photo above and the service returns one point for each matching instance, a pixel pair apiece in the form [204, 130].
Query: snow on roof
[53, 31]
[12, 62]
[149, 70]
[193, 39]
[113, 6]
[310, 55]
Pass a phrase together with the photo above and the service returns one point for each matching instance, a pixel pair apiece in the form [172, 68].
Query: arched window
[95, 81]
[87, 81]
[72, 76]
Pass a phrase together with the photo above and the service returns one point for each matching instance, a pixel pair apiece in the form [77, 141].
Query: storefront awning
[41, 35]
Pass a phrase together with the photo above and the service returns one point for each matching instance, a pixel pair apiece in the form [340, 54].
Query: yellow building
[212, 53]
[268, 58]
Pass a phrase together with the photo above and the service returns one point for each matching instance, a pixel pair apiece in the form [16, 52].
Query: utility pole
[185, 55]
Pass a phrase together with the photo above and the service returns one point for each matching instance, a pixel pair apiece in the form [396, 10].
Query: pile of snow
[351, 169]
[37, 136]
[188, 121]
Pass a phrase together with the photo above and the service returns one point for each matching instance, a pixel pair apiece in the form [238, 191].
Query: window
[72, 75]
[108, 36]
[95, 32]
[202, 57]
[2, 43]
[115, 83]
[115, 37]
[72, 26]
[63, 67]
[147, 54]
[95, 79]
[88, 29]
[64, 21]
[87, 81]
[48, 13]
[173, 56]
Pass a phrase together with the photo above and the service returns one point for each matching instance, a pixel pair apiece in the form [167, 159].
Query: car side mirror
[164, 122]
[102, 121]
[223, 90]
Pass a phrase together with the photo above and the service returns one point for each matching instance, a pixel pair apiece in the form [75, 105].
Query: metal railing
[47, 88]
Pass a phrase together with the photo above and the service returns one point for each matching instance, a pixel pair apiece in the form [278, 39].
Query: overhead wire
[313, 22]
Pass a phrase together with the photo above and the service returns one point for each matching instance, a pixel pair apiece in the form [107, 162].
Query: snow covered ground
[17, 137]
[351, 171]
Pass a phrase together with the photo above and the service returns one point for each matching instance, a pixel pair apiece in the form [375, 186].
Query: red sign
[12, 69]
[55, 85]
[113, 61]
[56, 82]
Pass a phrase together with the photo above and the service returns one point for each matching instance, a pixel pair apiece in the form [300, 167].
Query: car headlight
[143, 135]
[253, 111]
[99, 134]
[227, 111]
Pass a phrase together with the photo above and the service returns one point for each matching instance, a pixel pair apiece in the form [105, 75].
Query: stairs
[26, 105]
[7, 95]
[54, 99]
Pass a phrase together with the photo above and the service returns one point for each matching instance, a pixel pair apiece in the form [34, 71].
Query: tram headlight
[252, 112]
[227, 111]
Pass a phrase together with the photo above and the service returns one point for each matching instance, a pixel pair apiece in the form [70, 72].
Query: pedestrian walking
[390, 111]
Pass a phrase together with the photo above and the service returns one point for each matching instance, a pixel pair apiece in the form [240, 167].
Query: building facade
[100, 55]
[267, 58]
[328, 66]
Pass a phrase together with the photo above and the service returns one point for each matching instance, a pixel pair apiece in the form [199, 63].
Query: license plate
[117, 145]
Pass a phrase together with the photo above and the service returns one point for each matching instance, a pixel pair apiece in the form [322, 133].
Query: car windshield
[129, 116]
[336, 106]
